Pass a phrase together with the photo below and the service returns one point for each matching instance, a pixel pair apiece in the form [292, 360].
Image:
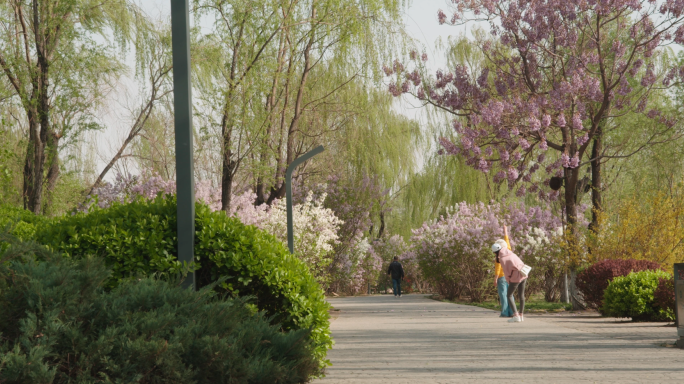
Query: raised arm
[508, 243]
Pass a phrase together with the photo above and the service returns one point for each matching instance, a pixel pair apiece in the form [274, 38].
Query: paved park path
[413, 339]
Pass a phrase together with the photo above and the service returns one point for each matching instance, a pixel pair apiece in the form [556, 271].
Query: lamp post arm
[288, 190]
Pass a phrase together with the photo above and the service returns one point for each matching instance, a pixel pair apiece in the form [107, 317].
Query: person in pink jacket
[511, 264]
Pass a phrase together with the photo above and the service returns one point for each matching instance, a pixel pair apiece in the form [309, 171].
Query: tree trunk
[571, 179]
[33, 147]
[227, 164]
[260, 188]
[596, 201]
[53, 171]
[565, 296]
[227, 182]
[278, 193]
[39, 123]
[381, 231]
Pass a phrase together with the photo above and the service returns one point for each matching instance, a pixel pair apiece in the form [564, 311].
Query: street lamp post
[182, 105]
[288, 191]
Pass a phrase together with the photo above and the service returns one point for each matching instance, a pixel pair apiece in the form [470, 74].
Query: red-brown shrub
[664, 296]
[594, 280]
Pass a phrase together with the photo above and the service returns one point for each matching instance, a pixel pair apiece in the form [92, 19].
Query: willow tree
[153, 67]
[370, 143]
[58, 69]
[275, 67]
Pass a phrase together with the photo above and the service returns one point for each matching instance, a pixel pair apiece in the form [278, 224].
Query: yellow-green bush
[633, 296]
[19, 222]
[643, 228]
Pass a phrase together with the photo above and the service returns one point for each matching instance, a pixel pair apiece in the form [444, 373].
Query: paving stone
[413, 339]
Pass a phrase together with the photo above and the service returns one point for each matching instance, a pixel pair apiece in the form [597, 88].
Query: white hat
[496, 247]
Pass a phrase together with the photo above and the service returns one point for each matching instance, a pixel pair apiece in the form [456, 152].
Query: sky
[420, 19]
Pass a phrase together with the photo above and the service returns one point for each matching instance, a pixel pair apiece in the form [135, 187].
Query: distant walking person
[397, 272]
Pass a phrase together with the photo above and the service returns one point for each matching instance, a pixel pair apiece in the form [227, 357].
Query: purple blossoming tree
[555, 72]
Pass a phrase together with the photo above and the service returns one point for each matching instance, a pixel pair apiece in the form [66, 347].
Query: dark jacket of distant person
[395, 269]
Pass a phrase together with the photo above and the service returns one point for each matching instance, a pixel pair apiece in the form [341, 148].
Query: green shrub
[633, 296]
[258, 264]
[60, 325]
[19, 222]
[140, 237]
[134, 238]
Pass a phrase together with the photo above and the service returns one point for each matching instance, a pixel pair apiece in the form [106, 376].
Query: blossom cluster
[127, 187]
[314, 228]
[475, 226]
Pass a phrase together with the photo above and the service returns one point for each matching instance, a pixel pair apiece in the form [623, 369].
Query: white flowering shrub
[543, 251]
[315, 231]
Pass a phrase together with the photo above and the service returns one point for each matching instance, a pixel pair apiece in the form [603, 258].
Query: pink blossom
[543, 145]
[534, 123]
[561, 120]
[524, 144]
[512, 174]
[577, 122]
[582, 140]
[441, 16]
[394, 90]
[541, 158]
[565, 160]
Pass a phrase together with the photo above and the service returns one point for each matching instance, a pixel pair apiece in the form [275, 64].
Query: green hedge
[19, 222]
[633, 296]
[140, 237]
[60, 325]
[134, 238]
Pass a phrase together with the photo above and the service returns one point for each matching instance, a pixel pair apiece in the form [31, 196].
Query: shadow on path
[382, 339]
